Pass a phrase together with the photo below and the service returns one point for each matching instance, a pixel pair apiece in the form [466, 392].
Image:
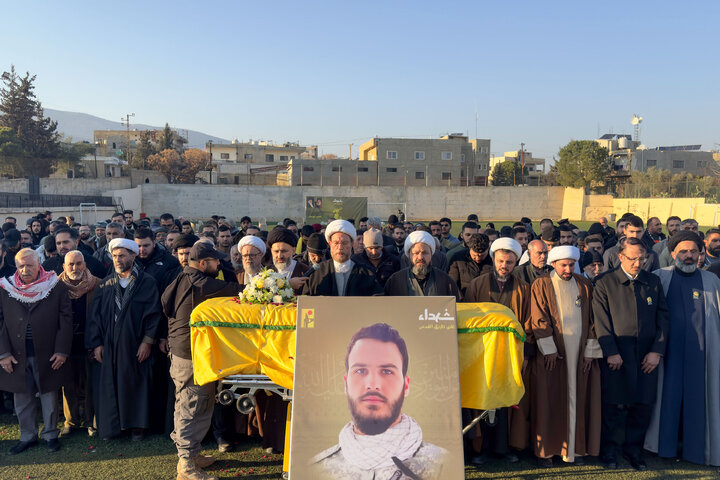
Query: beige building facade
[535, 166]
[254, 162]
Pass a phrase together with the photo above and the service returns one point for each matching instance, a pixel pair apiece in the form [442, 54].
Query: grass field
[82, 457]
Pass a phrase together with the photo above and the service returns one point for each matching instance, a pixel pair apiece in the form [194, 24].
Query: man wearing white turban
[252, 249]
[421, 278]
[565, 399]
[501, 286]
[340, 276]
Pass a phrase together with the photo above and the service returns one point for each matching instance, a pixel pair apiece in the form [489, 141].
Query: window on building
[419, 175]
[114, 147]
[462, 157]
[419, 155]
[362, 169]
[678, 163]
[337, 169]
[446, 155]
[308, 169]
[700, 164]
[225, 156]
[283, 158]
[248, 156]
[292, 157]
[391, 155]
[446, 175]
[462, 173]
[651, 163]
[391, 170]
[269, 157]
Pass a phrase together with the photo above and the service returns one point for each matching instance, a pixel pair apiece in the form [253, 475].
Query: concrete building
[109, 142]
[255, 162]
[449, 160]
[535, 166]
[629, 155]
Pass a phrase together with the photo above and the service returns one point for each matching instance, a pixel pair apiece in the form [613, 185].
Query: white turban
[419, 236]
[563, 252]
[123, 243]
[253, 241]
[342, 226]
[506, 243]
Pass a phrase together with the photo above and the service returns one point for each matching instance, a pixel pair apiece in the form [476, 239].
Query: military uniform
[425, 464]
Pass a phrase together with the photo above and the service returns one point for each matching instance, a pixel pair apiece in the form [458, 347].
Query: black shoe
[636, 462]
[53, 445]
[545, 462]
[480, 459]
[223, 445]
[138, 434]
[22, 446]
[579, 461]
[609, 462]
[511, 457]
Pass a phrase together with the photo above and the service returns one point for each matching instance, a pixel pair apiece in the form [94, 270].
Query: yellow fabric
[230, 339]
[491, 358]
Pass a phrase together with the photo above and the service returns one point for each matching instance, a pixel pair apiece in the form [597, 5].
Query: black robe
[397, 285]
[362, 282]
[124, 386]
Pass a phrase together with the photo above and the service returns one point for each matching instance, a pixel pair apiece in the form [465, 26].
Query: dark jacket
[160, 266]
[464, 271]
[529, 273]
[394, 249]
[96, 267]
[187, 291]
[361, 283]
[50, 320]
[397, 285]
[299, 271]
[389, 264]
[631, 320]
[438, 260]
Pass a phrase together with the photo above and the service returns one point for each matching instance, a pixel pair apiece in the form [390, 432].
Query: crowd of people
[622, 325]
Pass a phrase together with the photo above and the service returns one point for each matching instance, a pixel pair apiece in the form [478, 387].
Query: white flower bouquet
[267, 286]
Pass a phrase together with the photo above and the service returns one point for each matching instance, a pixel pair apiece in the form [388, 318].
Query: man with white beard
[421, 278]
[282, 243]
[340, 276]
[252, 249]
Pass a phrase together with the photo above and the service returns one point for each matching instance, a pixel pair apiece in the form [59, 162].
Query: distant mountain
[80, 126]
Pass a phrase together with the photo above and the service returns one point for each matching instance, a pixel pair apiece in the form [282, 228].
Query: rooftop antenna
[636, 121]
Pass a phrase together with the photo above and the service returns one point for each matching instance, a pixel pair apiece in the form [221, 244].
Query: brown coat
[52, 330]
[549, 393]
[515, 296]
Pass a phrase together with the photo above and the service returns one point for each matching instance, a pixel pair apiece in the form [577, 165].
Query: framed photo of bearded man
[376, 389]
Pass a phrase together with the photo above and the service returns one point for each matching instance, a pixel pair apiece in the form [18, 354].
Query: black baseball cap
[202, 250]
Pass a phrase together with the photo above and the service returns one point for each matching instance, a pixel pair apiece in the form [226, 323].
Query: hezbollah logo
[307, 318]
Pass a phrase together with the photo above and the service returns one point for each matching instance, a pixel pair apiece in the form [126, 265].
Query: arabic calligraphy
[436, 317]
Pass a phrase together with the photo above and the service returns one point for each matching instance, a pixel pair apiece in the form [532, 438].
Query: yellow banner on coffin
[260, 339]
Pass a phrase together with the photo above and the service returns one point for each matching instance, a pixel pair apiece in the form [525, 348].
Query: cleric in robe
[688, 400]
[380, 441]
[421, 279]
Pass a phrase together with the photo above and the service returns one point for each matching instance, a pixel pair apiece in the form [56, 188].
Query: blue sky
[333, 73]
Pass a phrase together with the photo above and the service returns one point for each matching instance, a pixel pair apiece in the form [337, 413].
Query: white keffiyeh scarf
[370, 452]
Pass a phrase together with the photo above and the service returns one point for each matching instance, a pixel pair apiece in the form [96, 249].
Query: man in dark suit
[340, 276]
[631, 322]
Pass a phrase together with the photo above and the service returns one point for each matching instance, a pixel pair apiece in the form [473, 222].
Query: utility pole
[522, 162]
[127, 136]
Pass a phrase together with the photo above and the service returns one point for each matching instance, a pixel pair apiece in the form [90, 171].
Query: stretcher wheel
[245, 403]
[225, 397]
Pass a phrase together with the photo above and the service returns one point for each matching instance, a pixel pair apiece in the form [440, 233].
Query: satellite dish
[636, 120]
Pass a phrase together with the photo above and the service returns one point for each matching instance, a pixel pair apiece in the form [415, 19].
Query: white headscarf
[123, 243]
[253, 241]
[506, 243]
[419, 236]
[563, 252]
[342, 226]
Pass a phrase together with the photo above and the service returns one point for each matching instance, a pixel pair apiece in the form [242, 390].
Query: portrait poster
[372, 418]
[322, 209]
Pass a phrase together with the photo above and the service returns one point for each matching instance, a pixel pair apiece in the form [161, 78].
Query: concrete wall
[14, 185]
[573, 204]
[272, 202]
[597, 206]
[82, 186]
[88, 216]
[660, 207]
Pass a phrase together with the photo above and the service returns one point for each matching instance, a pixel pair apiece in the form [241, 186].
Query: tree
[180, 168]
[144, 149]
[166, 140]
[582, 163]
[508, 173]
[23, 114]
